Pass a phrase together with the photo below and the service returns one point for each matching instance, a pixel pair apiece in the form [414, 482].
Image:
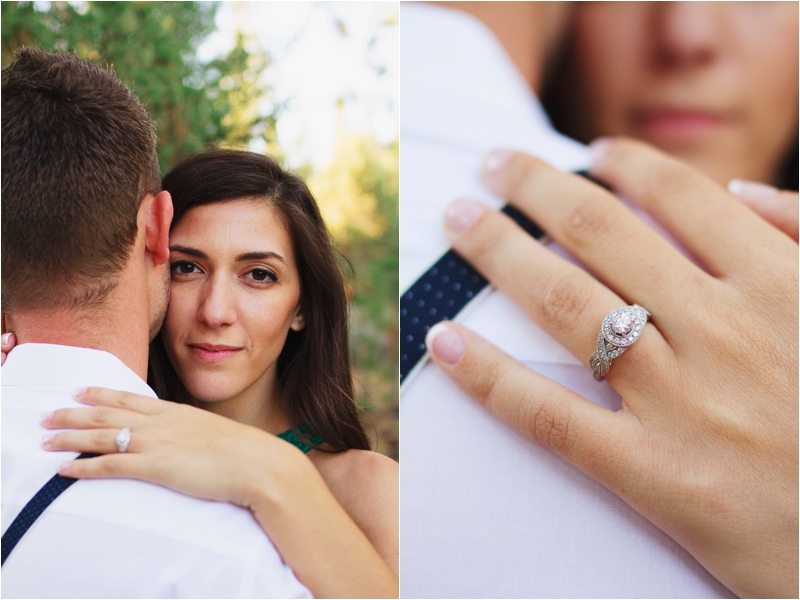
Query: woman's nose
[687, 34]
[218, 304]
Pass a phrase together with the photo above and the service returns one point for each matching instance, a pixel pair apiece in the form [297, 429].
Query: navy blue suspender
[34, 508]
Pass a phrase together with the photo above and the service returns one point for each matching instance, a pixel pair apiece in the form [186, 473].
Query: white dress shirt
[485, 512]
[120, 538]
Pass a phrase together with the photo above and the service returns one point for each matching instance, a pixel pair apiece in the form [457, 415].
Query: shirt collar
[461, 88]
[69, 367]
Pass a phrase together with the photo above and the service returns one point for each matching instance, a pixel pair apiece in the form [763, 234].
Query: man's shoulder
[126, 538]
[132, 539]
[102, 505]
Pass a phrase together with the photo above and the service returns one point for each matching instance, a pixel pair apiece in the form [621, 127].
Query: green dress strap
[291, 437]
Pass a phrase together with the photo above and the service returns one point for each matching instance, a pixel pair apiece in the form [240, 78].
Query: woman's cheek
[180, 313]
[268, 321]
[263, 323]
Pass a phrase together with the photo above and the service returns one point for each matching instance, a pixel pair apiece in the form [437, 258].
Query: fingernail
[751, 190]
[45, 418]
[46, 439]
[599, 149]
[495, 161]
[461, 214]
[81, 391]
[6, 338]
[445, 343]
[64, 466]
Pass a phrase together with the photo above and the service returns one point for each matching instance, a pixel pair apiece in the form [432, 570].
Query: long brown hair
[314, 378]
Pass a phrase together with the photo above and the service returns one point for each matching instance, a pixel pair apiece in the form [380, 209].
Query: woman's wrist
[276, 472]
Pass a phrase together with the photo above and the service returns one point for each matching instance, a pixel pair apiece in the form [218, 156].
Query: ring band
[123, 439]
[620, 329]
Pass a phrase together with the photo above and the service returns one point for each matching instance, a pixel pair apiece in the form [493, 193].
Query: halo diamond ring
[123, 439]
[620, 329]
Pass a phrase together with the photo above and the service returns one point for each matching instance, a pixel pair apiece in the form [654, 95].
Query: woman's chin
[213, 391]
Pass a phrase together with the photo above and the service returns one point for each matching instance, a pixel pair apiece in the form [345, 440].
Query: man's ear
[157, 217]
[298, 320]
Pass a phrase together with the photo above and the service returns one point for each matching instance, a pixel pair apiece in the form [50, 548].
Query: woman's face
[714, 83]
[235, 295]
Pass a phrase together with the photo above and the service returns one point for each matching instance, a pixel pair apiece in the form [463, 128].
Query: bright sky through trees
[326, 57]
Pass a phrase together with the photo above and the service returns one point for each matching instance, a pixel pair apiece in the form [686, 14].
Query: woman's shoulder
[360, 470]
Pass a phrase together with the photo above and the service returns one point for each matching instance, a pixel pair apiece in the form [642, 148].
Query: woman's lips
[678, 124]
[213, 352]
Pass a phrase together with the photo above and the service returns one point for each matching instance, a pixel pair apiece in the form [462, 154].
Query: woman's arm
[366, 484]
[335, 558]
[201, 454]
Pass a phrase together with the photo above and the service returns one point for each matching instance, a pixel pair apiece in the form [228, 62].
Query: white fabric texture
[116, 538]
[485, 512]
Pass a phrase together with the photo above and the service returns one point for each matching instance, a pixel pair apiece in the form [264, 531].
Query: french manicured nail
[495, 161]
[462, 214]
[599, 149]
[6, 338]
[445, 343]
[47, 439]
[751, 190]
[45, 418]
[79, 392]
[64, 466]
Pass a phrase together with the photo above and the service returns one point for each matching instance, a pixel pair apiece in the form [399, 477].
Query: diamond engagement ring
[621, 328]
[123, 439]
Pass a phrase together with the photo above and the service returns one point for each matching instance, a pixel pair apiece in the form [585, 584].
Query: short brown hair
[78, 156]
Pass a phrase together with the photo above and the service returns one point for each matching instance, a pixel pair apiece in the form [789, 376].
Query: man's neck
[528, 31]
[108, 328]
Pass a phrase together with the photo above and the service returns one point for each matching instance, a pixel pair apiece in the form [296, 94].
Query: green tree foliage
[153, 48]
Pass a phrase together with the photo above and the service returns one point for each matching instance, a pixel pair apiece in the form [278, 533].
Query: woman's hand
[181, 447]
[202, 454]
[706, 442]
[9, 340]
[777, 207]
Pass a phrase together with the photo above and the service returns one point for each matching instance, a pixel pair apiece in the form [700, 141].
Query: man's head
[79, 176]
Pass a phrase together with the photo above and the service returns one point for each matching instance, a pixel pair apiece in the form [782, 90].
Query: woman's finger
[95, 396]
[596, 228]
[776, 207]
[560, 297]
[594, 439]
[103, 467]
[9, 340]
[694, 208]
[96, 441]
[97, 417]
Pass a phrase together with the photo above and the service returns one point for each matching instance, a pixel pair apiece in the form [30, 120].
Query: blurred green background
[209, 80]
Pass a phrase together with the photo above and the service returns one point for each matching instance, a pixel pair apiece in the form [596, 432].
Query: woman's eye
[184, 267]
[262, 275]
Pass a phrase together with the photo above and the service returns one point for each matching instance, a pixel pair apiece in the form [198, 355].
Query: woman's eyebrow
[260, 256]
[189, 251]
[239, 258]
